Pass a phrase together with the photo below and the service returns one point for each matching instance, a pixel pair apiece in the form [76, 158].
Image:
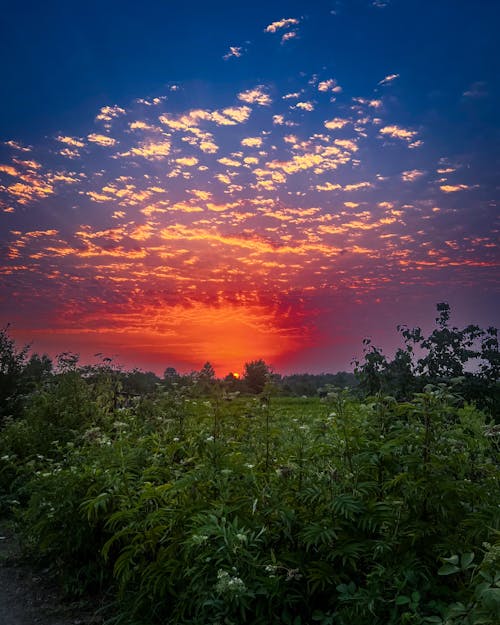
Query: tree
[206, 378]
[371, 372]
[38, 369]
[257, 374]
[447, 349]
[466, 358]
[12, 364]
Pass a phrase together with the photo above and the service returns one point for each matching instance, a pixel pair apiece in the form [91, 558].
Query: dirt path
[26, 598]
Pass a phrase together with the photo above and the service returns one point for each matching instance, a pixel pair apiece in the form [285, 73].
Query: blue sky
[305, 174]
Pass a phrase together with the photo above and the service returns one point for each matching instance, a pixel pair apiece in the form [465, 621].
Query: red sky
[282, 206]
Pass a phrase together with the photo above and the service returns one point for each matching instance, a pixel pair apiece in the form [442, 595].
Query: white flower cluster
[228, 584]
[199, 539]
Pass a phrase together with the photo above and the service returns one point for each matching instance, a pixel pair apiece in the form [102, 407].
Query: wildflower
[199, 539]
[229, 584]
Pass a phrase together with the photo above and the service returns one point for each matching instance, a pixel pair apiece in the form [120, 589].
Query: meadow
[260, 509]
[192, 500]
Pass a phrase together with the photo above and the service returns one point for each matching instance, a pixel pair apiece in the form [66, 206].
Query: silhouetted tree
[466, 358]
[206, 378]
[257, 374]
[12, 364]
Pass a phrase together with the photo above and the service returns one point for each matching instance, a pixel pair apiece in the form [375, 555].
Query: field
[225, 509]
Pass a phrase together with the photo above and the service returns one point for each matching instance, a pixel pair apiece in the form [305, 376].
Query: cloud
[229, 162]
[252, 142]
[8, 169]
[234, 51]
[329, 85]
[232, 202]
[153, 101]
[239, 114]
[287, 36]
[305, 106]
[328, 186]
[347, 144]
[411, 175]
[108, 113]
[476, 90]
[77, 143]
[208, 146]
[150, 150]
[31, 188]
[336, 123]
[358, 185]
[189, 161]
[255, 96]
[283, 23]
[453, 188]
[103, 140]
[279, 120]
[18, 146]
[396, 132]
[388, 79]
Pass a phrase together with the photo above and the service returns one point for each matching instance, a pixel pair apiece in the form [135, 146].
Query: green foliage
[467, 358]
[12, 363]
[256, 375]
[216, 507]
[283, 510]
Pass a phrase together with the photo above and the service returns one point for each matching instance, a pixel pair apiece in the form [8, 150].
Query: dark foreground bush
[295, 512]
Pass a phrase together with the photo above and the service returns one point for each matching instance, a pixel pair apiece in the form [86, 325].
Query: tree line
[466, 359]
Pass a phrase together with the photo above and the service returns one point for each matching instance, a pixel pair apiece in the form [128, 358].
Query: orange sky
[282, 201]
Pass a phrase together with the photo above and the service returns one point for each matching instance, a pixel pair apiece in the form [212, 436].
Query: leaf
[448, 569]
[490, 598]
[466, 559]
[402, 600]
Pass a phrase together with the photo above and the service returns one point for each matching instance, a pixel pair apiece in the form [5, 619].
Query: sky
[225, 181]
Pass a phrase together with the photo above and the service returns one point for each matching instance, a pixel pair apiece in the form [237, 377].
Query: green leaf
[491, 599]
[402, 600]
[451, 559]
[448, 569]
[466, 559]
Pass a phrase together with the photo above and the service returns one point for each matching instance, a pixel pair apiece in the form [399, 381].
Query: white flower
[229, 584]
[199, 539]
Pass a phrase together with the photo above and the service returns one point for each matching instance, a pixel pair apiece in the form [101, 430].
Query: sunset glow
[278, 193]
